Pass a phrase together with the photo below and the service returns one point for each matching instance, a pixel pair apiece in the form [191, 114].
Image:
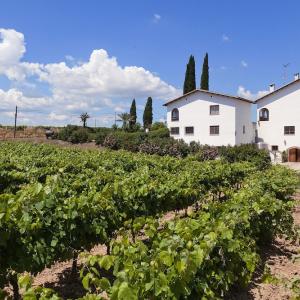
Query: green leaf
[106, 262]
[126, 293]
[104, 284]
[86, 281]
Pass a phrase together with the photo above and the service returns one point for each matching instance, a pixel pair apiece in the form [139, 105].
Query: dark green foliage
[159, 133]
[129, 141]
[158, 125]
[133, 116]
[65, 133]
[284, 156]
[246, 152]
[79, 136]
[190, 76]
[148, 114]
[205, 74]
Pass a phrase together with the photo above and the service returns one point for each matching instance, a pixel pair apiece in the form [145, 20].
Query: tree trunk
[74, 264]
[13, 280]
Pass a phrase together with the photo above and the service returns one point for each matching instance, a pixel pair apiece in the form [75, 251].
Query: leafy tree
[190, 77]
[205, 74]
[133, 116]
[126, 119]
[84, 117]
[148, 114]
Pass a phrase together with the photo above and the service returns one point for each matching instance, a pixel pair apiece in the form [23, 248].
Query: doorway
[294, 154]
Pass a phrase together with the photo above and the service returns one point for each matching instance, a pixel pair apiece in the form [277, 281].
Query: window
[264, 114]
[189, 130]
[214, 109]
[274, 148]
[244, 129]
[175, 114]
[174, 130]
[214, 130]
[289, 130]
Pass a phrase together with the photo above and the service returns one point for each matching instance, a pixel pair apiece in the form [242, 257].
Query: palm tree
[125, 118]
[84, 117]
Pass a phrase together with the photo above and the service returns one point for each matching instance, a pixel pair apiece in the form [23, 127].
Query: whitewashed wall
[284, 110]
[194, 111]
[243, 118]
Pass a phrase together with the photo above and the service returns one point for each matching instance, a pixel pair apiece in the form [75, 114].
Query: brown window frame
[188, 128]
[264, 114]
[175, 114]
[174, 128]
[212, 128]
[214, 112]
[289, 130]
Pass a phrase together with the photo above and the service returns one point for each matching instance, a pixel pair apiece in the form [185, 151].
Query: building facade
[210, 118]
[278, 120]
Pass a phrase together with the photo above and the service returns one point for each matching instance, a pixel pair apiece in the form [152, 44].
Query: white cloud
[225, 38]
[95, 85]
[69, 57]
[223, 68]
[244, 93]
[244, 64]
[156, 18]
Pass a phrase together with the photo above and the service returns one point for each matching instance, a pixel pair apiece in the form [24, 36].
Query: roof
[207, 92]
[279, 89]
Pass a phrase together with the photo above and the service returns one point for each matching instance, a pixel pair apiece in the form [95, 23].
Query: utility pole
[115, 119]
[16, 115]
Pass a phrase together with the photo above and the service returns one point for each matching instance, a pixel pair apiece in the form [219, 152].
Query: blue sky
[46, 66]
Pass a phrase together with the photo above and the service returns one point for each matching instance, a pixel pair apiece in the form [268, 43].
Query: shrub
[158, 125]
[159, 133]
[65, 133]
[177, 148]
[79, 136]
[100, 137]
[246, 152]
[111, 142]
[284, 156]
[206, 153]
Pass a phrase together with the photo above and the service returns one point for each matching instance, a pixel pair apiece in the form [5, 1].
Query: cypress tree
[148, 114]
[133, 116]
[205, 74]
[190, 76]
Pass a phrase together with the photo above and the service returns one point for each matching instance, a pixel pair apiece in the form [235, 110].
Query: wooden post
[16, 115]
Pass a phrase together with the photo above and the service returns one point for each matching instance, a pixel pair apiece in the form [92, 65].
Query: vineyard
[56, 204]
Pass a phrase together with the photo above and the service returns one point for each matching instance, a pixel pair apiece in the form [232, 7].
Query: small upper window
[175, 114]
[189, 130]
[214, 109]
[174, 130]
[214, 130]
[289, 130]
[274, 147]
[264, 114]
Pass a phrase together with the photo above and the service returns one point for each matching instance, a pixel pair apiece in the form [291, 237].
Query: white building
[278, 119]
[210, 118]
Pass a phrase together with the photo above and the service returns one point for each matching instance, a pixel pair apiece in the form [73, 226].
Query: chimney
[272, 87]
[296, 76]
